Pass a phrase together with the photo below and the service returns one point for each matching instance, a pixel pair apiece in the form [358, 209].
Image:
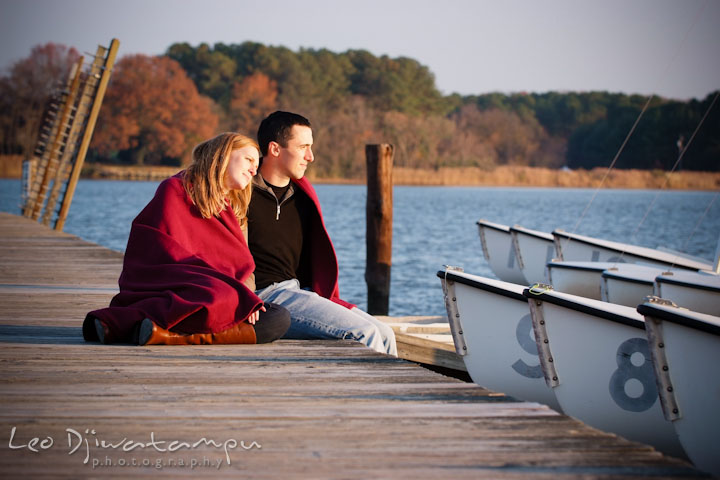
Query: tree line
[157, 107]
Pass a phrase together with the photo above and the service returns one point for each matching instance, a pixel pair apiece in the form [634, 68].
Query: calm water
[433, 226]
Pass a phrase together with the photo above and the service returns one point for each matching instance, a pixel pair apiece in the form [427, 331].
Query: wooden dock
[292, 409]
[426, 340]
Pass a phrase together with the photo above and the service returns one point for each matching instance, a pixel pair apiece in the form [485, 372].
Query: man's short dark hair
[276, 128]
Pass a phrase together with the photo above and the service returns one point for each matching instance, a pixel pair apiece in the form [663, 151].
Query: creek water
[433, 226]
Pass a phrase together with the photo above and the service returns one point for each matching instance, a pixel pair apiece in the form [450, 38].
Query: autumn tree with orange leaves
[252, 100]
[152, 113]
[25, 92]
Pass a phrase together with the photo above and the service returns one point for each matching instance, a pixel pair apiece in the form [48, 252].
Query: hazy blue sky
[669, 47]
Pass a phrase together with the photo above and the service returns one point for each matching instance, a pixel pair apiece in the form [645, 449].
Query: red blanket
[323, 258]
[182, 271]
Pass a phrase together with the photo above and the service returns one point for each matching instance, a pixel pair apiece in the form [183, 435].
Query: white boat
[492, 331]
[497, 246]
[578, 278]
[533, 250]
[573, 247]
[595, 356]
[697, 291]
[685, 347]
[628, 284]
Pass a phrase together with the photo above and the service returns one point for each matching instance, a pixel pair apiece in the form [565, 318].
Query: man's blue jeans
[316, 317]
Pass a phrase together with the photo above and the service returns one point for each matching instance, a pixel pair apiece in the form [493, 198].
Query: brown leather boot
[151, 334]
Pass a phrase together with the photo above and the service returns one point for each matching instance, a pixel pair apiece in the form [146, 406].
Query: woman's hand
[255, 316]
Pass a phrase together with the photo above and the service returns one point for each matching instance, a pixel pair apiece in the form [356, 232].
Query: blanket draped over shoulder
[323, 258]
[182, 271]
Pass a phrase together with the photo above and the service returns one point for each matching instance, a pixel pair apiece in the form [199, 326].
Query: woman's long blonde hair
[204, 179]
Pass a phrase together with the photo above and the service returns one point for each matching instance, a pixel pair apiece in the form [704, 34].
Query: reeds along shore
[518, 176]
[503, 176]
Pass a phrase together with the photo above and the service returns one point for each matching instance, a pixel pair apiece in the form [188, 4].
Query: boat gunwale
[569, 266]
[532, 233]
[656, 311]
[624, 278]
[493, 226]
[600, 243]
[683, 283]
[547, 296]
[450, 275]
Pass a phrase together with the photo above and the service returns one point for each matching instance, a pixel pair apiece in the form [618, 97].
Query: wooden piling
[378, 238]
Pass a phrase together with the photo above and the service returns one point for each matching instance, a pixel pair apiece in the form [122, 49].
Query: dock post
[378, 237]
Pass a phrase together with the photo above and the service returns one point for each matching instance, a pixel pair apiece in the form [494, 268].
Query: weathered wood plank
[425, 340]
[417, 324]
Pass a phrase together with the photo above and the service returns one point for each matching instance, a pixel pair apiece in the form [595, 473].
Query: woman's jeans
[316, 317]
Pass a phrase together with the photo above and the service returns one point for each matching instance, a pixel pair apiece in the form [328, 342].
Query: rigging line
[612, 164]
[677, 162]
[667, 68]
[667, 175]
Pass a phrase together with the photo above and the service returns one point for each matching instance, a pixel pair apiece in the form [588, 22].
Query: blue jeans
[313, 317]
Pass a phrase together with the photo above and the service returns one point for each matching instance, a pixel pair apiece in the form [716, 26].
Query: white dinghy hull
[501, 353]
[499, 251]
[533, 251]
[699, 292]
[595, 356]
[628, 284]
[573, 247]
[578, 278]
[686, 350]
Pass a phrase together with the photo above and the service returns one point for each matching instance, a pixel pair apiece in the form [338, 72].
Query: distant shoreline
[502, 176]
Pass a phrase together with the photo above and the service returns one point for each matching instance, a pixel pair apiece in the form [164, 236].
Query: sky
[666, 47]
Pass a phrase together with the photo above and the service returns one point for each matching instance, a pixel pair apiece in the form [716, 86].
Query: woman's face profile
[242, 166]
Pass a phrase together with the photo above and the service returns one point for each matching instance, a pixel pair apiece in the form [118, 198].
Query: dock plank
[291, 409]
[426, 340]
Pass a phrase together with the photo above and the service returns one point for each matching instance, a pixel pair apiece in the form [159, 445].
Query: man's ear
[274, 149]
